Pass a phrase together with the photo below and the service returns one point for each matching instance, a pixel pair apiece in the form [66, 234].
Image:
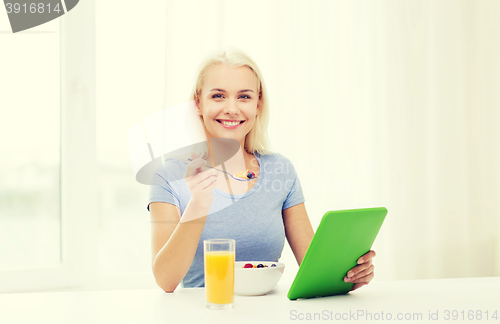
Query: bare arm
[175, 239]
[174, 243]
[298, 230]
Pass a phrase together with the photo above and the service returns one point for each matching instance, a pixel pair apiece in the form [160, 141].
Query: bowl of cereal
[254, 278]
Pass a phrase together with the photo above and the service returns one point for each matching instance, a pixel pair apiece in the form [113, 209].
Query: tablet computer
[342, 237]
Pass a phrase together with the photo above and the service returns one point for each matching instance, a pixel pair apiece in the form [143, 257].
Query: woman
[231, 101]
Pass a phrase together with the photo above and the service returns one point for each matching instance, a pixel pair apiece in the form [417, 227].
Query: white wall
[408, 88]
[397, 98]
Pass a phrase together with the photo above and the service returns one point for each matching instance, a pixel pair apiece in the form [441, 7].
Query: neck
[239, 161]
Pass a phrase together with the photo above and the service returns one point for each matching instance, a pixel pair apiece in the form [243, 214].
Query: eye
[216, 96]
[247, 96]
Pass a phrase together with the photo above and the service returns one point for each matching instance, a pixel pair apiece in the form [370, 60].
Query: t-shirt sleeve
[162, 188]
[295, 195]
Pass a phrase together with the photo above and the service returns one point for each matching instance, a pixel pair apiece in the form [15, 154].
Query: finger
[358, 285]
[194, 167]
[210, 182]
[361, 274]
[367, 256]
[211, 185]
[209, 176]
[366, 278]
[357, 269]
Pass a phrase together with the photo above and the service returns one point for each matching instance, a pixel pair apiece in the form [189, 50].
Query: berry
[250, 175]
[273, 265]
[260, 265]
[248, 265]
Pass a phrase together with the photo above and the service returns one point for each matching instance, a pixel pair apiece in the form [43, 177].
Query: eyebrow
[222, 90]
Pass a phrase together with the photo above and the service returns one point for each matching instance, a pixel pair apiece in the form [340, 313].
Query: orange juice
[219, 277]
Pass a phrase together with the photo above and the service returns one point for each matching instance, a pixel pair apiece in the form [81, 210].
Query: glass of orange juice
[219, 273]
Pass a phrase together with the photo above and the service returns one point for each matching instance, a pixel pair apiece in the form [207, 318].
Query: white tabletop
[471, 298]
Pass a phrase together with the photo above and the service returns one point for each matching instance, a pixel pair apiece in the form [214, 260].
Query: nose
[231, 107]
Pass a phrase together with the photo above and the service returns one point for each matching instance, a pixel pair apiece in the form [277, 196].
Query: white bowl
[256, 281]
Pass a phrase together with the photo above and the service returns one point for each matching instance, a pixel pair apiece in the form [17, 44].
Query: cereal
[260, 265]
[242, 174]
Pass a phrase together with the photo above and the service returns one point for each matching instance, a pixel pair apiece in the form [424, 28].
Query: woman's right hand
[200, 183]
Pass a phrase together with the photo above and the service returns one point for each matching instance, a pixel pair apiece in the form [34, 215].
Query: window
[30, 222]
[47, 103]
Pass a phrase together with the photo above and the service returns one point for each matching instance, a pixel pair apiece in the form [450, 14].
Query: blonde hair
[257, 139]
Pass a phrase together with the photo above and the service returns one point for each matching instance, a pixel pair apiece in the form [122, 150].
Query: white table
[151, 306]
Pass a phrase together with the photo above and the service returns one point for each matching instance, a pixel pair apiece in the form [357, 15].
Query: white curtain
[377, 103]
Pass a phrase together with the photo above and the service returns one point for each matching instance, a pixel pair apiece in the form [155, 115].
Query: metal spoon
[234, 177]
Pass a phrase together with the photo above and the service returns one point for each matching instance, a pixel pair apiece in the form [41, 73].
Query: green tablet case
[341, 238]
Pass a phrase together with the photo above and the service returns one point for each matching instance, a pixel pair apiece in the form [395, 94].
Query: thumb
[195, 166]
[194, 156]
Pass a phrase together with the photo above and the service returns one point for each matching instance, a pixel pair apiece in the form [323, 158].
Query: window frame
[78, 196]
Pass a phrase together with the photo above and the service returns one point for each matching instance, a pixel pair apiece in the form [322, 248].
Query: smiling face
[229, 102]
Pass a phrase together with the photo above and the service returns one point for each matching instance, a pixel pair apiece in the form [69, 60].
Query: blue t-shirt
[254, 219]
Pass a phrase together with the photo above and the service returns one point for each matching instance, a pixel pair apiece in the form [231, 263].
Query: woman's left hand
[361, 274]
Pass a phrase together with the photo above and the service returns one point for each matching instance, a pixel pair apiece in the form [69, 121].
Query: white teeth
[230, 123]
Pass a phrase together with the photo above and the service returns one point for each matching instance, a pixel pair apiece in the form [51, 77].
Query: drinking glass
[219, 273]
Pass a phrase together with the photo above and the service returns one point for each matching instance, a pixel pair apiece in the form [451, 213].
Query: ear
[197, 103]
[259, 104]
